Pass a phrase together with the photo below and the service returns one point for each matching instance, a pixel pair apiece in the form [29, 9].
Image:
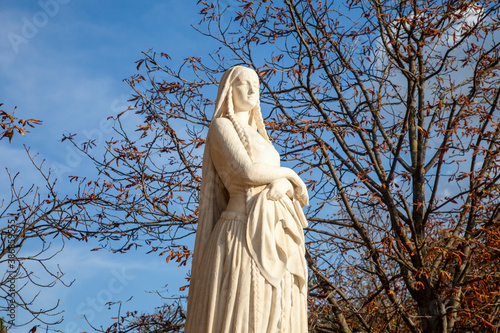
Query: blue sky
[63, 62]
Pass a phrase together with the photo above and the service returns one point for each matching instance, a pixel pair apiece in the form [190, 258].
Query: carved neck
[242, 116]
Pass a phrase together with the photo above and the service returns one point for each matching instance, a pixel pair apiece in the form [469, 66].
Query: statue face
[245, 90]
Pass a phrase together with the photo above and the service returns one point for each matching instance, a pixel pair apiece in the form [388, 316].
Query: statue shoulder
[221, 127]
[221, 123]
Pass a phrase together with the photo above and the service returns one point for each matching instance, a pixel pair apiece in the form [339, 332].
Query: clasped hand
[279, 187]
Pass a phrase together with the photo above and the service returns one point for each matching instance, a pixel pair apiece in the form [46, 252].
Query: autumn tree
[35, 222]
[23, 217]
[389, 111]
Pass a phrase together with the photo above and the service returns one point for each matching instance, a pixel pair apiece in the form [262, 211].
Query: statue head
[239, 88]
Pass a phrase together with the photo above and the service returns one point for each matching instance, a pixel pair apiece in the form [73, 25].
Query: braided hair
[237, 126]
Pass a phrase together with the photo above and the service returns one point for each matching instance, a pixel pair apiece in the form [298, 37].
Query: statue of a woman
[249, 272]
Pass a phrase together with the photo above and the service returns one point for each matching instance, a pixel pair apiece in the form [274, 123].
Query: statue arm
[225, 143]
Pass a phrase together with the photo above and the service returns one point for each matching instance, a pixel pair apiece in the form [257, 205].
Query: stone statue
[249, 272]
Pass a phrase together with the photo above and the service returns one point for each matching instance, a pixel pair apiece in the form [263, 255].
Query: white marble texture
[249, 272]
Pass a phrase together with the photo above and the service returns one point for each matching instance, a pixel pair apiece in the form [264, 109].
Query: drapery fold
[275, 238]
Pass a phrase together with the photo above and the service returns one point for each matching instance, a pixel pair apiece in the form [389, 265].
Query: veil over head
[225, 84]
[221, 105]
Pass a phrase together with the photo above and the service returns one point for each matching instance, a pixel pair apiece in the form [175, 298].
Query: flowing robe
[249, 272]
